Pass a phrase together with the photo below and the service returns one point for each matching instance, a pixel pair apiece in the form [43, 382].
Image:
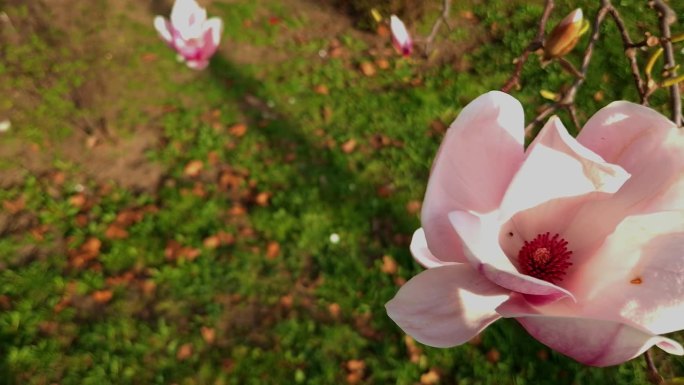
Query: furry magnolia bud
[565, 36]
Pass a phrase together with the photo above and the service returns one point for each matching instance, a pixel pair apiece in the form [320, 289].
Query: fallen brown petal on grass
[413, 207]
[429, 378]
[262, 199]
[356, 365]
[383, 31]
[334, 310]
[287, 301]
[383, 64]
[211, 242]
[193, 168]
[389, 265]
[321, 89]
[367, 68]
[78, 200]
[184, 352]
[115, 231]
[102, 296]
[175, 250]
[237, 210]
[272, 250]
[14, 206]
[208, 334]
[238, 130]
[493, 356]
[354, 378]
[349, 146]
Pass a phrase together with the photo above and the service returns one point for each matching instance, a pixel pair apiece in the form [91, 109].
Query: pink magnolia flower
[400, 37]
[581, 240]
[194, 38]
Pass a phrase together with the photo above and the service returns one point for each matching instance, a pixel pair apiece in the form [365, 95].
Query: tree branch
[630, 52]
[446, 9]
[567, 99]
[667, 17]
[534, 45]
[653, 376]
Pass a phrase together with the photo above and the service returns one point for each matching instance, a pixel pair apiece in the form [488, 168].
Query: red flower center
[545, 258]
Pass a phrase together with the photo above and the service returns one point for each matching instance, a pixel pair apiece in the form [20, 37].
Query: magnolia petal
[647, 145]
[211, 38]
[557, 166]
[162, 26]
[637, 276]
[212, 29]
[399, 31]
[421, 253]
[446, 306]
[480, 235]
[595, 342]
[598, 339]
[400, 36]
[187, 16]
[479, 155]
[620, 125]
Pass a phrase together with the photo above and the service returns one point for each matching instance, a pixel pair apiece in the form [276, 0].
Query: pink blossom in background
[194, 38]
[580, 240]
[400, 36]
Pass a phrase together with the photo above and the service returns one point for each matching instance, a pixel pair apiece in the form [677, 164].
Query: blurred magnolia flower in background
[580, 240]
[194, 38]
[400, 36]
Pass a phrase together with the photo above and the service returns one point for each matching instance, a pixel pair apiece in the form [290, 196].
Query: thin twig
[534, 45]
[572, 110]
[446, 9]
[667, 17]
[653, 376]
[569, 67]
[630, 52]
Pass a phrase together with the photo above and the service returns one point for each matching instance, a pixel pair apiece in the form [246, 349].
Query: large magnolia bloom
[194, 37]
[580, 240]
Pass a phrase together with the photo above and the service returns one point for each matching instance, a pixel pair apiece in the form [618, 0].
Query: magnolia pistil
[546, 257]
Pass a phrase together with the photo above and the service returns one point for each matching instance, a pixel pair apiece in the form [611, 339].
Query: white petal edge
[421, 253]
[160, 25]
[215, 25]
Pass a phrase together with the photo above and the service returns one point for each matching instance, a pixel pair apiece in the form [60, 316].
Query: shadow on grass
[341, 190]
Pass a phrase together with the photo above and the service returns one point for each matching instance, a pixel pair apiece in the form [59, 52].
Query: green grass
[270, 315]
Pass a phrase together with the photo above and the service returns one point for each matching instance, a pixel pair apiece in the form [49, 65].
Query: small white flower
[5, 125]
[334, 238]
